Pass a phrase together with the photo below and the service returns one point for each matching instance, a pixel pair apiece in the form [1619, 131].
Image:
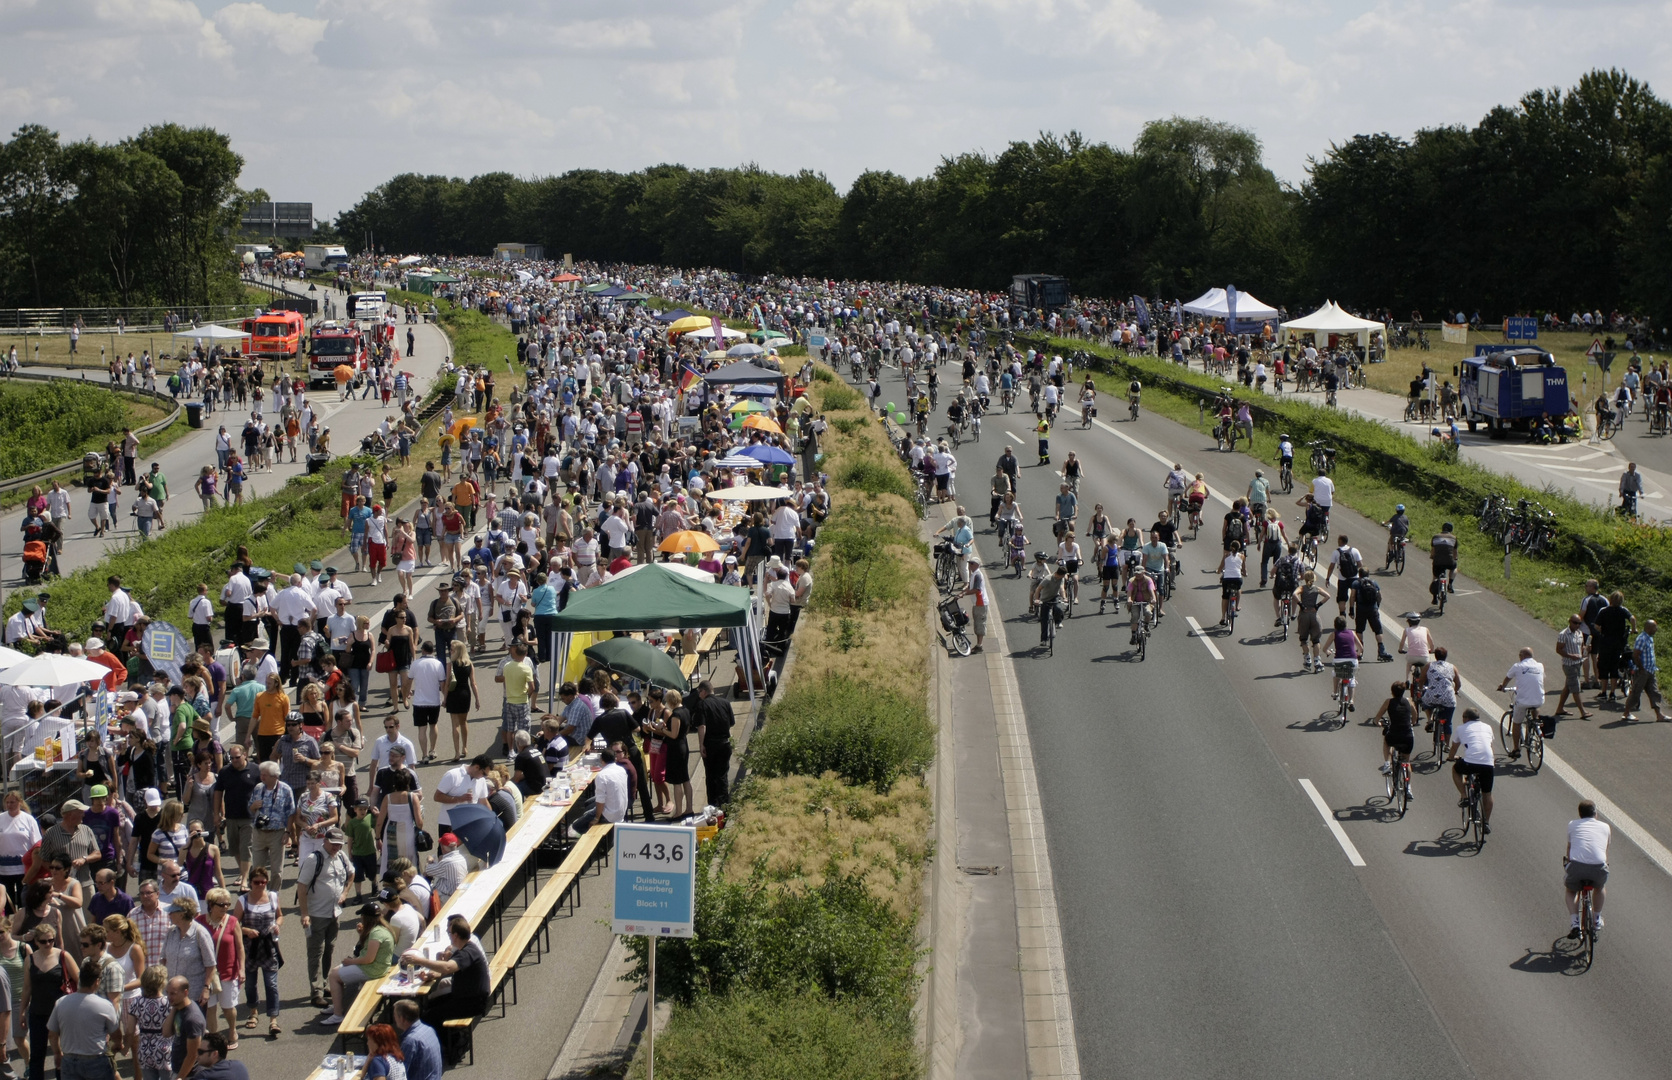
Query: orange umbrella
[344, 373]
[688, 540]
[567, 277]
[761, 422]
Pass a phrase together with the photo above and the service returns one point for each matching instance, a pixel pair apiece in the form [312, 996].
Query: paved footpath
[182, 460]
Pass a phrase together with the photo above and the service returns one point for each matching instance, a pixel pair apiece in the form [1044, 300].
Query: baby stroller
[953, 620]
[35, 555]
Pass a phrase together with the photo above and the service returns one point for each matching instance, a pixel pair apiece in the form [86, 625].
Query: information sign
[655, 880]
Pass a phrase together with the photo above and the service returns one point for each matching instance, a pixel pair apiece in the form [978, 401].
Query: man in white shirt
[235, 598]
[510, 595]
[466, 783]
[1323, 491]
[447, 872]
[786, 529]
[609, 796]
[391, 737]
[1528, 676]
[294, 603]
[428, 677]
[403, 918]
[119, 612]
[1587, 861]
[1471, 750]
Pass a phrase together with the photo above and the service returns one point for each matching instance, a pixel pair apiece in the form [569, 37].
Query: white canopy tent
[1215, 303]
[708, 332]
[212, 332]
[1330, 319]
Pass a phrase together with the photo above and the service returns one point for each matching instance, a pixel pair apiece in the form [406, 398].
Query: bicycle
[1588, 929]
[1397, 780]
[1396, 561]
[1073, 591]
[1051, 622]
[1286, 478]
[1146, 622]
[1473, 821]
[1442, 736]
[1231, 613]
[1132, 409]
[1532, 736]
[1286, 614]
[946, 567]
[1323, 458]
[1309, 550]
[1441, 585]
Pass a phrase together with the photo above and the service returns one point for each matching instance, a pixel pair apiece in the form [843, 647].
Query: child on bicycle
[1016, 552]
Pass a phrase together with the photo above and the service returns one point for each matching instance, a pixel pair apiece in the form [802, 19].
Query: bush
[838, 396]
[822, 374]
[874, 476]
[863, 735]
[753, 1035]
[61, 420]
[835, 939]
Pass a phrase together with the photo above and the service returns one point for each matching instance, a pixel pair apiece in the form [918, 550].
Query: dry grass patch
[800, 829]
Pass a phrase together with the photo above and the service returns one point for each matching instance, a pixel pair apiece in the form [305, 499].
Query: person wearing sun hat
[71, 840]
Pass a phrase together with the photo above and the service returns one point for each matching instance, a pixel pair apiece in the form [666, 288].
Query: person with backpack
[1365, 604]
[322, 881]
[1345, 565]
[1235, 529]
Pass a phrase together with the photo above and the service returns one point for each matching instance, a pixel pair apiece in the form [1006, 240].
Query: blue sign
[815, 341]
[1521, 329]
[655, 880]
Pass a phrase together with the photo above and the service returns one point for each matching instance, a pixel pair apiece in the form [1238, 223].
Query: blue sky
[327, 98]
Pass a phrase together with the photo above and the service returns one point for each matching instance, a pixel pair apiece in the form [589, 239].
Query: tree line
[144, 221]
[1561, 201]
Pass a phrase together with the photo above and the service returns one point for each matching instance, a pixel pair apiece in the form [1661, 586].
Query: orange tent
[566, 277]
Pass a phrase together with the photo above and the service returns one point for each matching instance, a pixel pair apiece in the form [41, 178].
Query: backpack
[1348, 563]
[1234, 529]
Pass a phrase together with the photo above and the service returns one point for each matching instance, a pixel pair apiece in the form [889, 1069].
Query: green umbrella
[641, 660]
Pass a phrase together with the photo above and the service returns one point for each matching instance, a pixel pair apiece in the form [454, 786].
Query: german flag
[687, 376]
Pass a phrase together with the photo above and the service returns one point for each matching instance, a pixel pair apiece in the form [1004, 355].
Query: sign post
[655, 895]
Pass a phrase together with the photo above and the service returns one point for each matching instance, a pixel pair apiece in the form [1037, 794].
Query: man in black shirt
[714, 725]
[234, 788]
[616, 724]
[430, 483]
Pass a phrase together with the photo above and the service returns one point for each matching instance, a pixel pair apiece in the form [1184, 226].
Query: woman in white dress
[400, 815]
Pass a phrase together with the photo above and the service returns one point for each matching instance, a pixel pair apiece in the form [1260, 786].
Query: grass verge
[805, 959]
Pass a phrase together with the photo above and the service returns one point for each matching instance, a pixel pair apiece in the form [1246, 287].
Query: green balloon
[899, 418]
[890, 407]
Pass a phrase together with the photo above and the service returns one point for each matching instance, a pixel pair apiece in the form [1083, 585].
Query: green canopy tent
[656, 598]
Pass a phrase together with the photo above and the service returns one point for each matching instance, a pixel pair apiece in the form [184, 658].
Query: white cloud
[378, 87]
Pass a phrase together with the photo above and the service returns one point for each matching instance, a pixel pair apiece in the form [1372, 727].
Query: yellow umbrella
[756, 420]
[748, 406]
[688, 540]
[690, 322]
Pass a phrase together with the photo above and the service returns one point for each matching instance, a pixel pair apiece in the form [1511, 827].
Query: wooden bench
[534, 922]
[706, 647]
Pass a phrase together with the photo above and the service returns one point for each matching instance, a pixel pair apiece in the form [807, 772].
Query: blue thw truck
[1511, 388]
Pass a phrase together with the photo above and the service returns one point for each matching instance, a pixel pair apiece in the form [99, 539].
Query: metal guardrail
[21, 482]
[134, 319]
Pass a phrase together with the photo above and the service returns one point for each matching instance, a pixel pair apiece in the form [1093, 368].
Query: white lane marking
[1015, 436]
[1202, 636]
[1657, 852]
[1334, 826]
[1134, 443]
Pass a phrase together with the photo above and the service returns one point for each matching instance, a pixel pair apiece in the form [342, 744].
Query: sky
[326, 99]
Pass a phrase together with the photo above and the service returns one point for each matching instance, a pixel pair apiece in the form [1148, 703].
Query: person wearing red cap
[447, 871]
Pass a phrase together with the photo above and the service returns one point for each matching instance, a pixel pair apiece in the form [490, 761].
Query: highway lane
[1299, 964]
[182, 460]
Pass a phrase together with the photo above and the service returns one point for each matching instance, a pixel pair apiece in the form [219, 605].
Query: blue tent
[754, 390]
[673, 316]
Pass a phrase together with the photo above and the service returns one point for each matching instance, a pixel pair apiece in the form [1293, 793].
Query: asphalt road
[1213, 924]
[182, 460]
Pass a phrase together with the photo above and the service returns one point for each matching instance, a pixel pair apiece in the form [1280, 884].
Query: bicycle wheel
[1439, 744]
[1390, 782]
[1399, 559]
[1401, 788]
[1143, 644]
[961, 642]
[1533, 744]
[1476, 820]
[1587, 930]
[1285, 636]
[1506, 730]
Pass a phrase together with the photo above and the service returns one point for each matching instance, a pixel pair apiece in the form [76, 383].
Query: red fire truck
[332, 345]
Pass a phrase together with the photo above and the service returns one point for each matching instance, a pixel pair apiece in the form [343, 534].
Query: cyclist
[1051, 592]
[1099, 527]
[1439, 694]
[1140, 590]
[1234, 530]
[1052, 395]
[1037, 577]
[1528, 676]
[1155, 555]
[1131, 546]
[1365, 608]
[1274, 540]
[1072, 470]
[1245, 421]
[1231, 569]
[1285, 579]
[1442, 555]
[1344, 564]
[1586, 860]
[1417, 643]
[1310, 598]
[1471, 750]
[1068, 507]
[1399, 528]
[1345, 650]
[1286, 452]
[1000, 488]
[961, 530]
[1068, 557]
[1195, 496]
[1007, 388]
[1134, 392]
[1316, 521]
[1398, 735]
[1044, 431]
[955, 413]
[1008, 462]
[1259, 495]
[1631, 489]
[1009, 517]
[1088, 401]
[1175, 482]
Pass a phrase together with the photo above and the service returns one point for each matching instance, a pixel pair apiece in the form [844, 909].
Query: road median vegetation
[806, 957]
